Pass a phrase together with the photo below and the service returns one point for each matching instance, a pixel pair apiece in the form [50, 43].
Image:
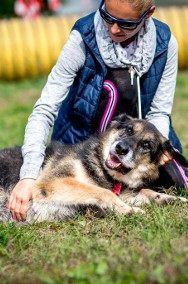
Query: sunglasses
[124, 24]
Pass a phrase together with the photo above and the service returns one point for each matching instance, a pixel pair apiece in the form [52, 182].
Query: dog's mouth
[114, 163]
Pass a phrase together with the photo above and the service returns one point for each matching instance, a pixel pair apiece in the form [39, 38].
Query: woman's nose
[115, 28]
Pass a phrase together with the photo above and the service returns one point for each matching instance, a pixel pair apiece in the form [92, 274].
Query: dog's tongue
[113, 162]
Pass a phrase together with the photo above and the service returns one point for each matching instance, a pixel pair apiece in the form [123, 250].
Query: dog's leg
[68, 192]
[147, 196]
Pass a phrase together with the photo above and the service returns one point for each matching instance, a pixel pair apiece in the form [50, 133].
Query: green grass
[139, 249]
[180, 110]
[16, 103]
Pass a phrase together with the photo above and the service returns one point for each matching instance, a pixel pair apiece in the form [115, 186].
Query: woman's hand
[166, 158]
[20, 197]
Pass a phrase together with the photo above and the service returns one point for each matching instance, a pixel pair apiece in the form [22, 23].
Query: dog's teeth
[113, 162]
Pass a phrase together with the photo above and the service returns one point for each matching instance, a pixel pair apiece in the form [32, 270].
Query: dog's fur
[75, 177]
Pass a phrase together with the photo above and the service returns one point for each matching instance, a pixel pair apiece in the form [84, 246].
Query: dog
[108, 171]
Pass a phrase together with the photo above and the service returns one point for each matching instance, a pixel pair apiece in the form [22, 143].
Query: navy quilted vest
[75, 118]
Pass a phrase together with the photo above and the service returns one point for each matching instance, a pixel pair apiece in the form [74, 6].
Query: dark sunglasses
[124, 24]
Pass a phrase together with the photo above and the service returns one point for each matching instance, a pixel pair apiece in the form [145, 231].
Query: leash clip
[132, 73]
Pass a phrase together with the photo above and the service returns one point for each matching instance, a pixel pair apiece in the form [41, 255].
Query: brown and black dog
[86, 174]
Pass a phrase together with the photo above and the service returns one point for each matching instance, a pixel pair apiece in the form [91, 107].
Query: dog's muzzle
[114, 160]
[121, 149]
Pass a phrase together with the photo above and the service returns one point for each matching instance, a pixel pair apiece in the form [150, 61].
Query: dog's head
[133, 149]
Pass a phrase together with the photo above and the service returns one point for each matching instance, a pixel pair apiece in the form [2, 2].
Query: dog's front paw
[163, 198]
[138, 210]
[128, 210]
[182, 199]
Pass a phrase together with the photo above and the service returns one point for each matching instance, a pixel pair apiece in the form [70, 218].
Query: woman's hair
[140, 5]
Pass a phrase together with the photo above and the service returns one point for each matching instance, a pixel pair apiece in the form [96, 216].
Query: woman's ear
[152, 10]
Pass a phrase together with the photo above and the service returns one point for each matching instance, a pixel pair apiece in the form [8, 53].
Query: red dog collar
[117, 188]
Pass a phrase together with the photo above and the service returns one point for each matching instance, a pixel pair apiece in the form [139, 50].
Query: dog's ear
[119, 120]
[167, 146]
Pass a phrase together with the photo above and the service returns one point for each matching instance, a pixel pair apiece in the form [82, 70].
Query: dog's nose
[121, 149]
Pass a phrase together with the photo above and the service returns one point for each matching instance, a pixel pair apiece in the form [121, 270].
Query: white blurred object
[86, 2]
[75, 7]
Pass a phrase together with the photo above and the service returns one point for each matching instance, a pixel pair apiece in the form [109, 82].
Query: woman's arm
[45, 111]
[161, 107]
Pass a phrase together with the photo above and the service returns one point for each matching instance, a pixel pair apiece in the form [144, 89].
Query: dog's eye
[146, 145]
[129, 130]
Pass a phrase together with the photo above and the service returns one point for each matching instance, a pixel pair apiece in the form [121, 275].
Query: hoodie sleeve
[161, 107]
[71, 59]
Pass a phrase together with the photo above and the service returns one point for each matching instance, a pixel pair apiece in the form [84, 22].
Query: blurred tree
[6, 8]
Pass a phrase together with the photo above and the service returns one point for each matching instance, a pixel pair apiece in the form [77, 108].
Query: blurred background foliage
[24, 38]
[7, 8]
[73, 6]
[171, 2]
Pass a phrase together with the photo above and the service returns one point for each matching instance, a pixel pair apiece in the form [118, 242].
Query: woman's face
[121, 10]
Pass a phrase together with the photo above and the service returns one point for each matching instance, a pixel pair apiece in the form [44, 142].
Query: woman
[121, 35]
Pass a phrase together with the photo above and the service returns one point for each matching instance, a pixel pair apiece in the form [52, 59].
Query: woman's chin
[117, 38]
